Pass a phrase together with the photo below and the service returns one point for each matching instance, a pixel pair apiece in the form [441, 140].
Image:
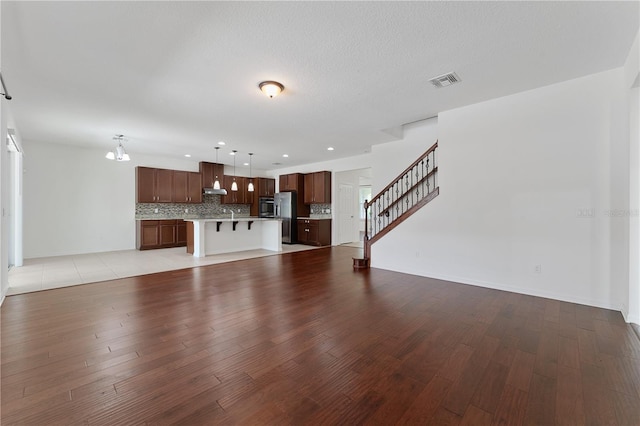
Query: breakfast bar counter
[226, 235]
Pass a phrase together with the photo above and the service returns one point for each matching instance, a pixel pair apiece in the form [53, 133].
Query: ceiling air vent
[445, 79]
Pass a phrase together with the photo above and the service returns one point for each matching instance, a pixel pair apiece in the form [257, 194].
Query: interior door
[347, 223]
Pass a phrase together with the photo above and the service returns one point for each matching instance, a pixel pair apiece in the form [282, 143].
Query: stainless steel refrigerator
[285, 209]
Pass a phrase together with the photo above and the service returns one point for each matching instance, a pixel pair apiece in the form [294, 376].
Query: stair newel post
[366, 229]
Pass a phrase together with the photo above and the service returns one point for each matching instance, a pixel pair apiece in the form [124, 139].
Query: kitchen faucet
[231, 210]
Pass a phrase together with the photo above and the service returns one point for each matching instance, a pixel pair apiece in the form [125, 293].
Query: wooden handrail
[403, 194]
[401, 175]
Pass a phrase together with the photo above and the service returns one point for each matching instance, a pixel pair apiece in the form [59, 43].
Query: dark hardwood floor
[302, 338]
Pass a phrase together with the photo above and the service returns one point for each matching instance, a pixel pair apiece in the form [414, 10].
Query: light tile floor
[62, 271]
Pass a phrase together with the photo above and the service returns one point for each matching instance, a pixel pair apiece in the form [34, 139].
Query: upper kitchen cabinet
[154, 185]
[266, 187]
[209, 171]
[235, 197]
[317, 188]
[291, 182]
[187, 187]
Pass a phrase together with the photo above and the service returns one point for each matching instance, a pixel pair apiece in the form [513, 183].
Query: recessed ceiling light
[187, 155]
[285, 155]
[330, 148]
[221, 143]
[245, 164]
[233, 152]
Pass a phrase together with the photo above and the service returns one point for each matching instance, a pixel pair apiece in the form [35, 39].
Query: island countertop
[218, 235]
[197, 217]
[228, 219]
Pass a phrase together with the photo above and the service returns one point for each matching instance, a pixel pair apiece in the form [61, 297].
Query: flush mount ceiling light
[250, 187]
[119, 154]
[271, 88]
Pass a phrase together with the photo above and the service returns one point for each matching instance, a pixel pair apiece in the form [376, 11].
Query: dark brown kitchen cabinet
[187, 187]
[314, 232]
[235, 197]
[155, 234]
[147, 235]
[291, 182]
[154, 185]
[266, 186]
[209, 172]
[317, 188]
[167, 232]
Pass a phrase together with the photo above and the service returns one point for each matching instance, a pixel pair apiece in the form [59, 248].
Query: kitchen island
[225, 235]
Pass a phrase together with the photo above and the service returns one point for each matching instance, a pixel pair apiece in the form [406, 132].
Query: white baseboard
[519, 290]
[632, 319]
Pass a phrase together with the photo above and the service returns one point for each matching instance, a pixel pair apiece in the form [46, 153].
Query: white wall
[393, 158]
[633, 314]
[631, 84]
[338, 165]
[76, 201]
[618, 210]
[516, 173]
[4, 234]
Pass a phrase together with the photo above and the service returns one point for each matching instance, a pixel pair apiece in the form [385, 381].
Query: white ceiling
[177, 77]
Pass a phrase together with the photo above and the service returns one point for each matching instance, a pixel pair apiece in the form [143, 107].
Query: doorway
[349, 213]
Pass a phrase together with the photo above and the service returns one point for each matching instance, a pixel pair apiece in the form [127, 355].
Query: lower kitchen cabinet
[314, 232]
[155, 234]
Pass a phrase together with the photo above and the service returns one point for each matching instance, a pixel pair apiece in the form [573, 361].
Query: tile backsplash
[322, 211]
[210, 206]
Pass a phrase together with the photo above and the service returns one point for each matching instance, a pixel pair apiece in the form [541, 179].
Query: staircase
[405, 195]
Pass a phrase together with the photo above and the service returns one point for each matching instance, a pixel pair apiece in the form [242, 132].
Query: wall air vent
[445, 79]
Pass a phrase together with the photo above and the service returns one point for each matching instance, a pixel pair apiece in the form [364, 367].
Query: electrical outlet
[186, 210]
[155, 210]
[537, 269]
[224, 210]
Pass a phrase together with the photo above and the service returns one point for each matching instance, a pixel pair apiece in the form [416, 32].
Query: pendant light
[216, 183]
[234, 185]
[119, 153]
[250, 187]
